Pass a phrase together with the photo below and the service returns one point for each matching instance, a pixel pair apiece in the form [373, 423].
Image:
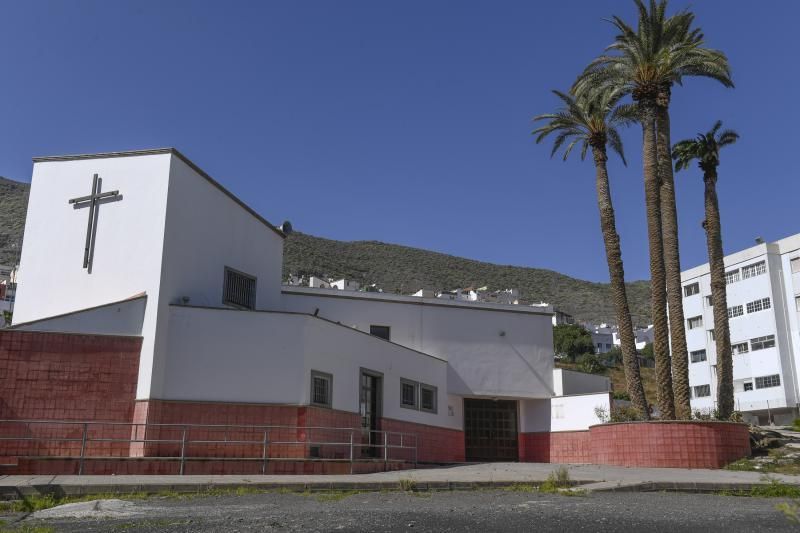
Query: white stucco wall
[123, 318]
[563, 413]
[566, 382]
[491, 351]
[263, 357]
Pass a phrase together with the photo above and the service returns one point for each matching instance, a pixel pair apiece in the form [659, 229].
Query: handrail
[151, 435]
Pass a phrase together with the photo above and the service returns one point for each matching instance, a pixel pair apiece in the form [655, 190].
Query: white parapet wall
[564, 413]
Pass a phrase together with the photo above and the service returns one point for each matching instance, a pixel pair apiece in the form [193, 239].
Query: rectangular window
[711, 336]
[797, 302]
[239, 289]
[691, 290]
[740, 348]
[697, 356]
[695, 322]
[321, 389]
[408, 393]
[702, 391]
[427, 398]
[795, 265]
[762, 343]
[759, 305]
[748, 385]
[764, 382]
[732, 276]
[709, 301]
[735, 311]
[384, 332]
[756, 269]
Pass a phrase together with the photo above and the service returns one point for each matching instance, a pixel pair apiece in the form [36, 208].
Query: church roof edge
[176, 153]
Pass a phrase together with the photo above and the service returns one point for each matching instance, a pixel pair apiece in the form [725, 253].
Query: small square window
[427, 398]
[748, 385]
[795, 265]
[384, 332]
[691, 290]
[408, 394]
[321, 389]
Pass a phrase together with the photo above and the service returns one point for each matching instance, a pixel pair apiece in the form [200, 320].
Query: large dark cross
[93, 202]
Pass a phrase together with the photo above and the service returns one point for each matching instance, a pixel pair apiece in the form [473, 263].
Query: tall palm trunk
[672, 261]
[616, 273]
[658, 291]
[719, 297]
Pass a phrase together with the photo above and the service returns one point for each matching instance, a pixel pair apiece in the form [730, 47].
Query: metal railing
[184, 443]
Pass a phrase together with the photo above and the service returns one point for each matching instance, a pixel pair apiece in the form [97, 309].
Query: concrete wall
[263, 357]
[121, 318]
[566, 382]
[492, 350]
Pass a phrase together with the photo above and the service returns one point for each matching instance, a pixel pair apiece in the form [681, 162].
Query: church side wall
[490, 352]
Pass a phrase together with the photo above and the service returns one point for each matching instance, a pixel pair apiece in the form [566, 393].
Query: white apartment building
[763, 292]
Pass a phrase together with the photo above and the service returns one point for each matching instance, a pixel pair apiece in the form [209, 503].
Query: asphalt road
[439, 511]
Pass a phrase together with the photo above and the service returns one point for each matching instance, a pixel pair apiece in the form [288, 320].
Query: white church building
[145, 244]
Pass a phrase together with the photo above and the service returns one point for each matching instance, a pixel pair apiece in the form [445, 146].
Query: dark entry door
[370, 407]
[490, 430]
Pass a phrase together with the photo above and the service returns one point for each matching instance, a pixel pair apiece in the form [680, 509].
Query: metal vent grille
[239, 290]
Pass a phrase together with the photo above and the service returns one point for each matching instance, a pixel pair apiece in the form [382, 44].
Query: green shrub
[591, 364]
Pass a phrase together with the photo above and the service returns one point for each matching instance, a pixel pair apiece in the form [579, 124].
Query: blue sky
[405, 122]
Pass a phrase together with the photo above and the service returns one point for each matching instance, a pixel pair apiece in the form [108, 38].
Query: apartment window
[797, 302]
[702, 391]
[748, 386]
[384, 332]
[740, 348]
[709, 301]
[427, 398]
[697, 356]
[408, 393]
[239, 289]
[736, 310]
[759, 305]
[732, 276]
[711, 336]
[765, 382]
[321, 389]
[695, 322]
[754, 270]
[762, 343]
[795, 265]
[691, 290]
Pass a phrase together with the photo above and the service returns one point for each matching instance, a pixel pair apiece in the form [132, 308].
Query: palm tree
[648, 61]
[593, 121]
[705, 148]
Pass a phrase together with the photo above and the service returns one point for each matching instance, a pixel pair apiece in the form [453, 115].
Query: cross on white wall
[93, 202]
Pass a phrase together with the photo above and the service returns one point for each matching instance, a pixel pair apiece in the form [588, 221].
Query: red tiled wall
[59, 376]
[434, 445]
[559, 447]
[670, 444]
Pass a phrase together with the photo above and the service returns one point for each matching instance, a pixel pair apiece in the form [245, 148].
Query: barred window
[759, 305]
[239, 289]
[695, 322]
[753, 270]
[408, 394]
[690, 290]
[761, 343]
[702, 391]
[740, 348]
[732, 276]
[735, 311]
[427, 400]
[765, 382]
[709, 301]
[321, 389]
[697, 356]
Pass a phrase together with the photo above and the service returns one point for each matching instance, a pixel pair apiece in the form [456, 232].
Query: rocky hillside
[13, 204]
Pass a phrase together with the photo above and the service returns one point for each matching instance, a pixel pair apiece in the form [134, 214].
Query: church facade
[146, 246]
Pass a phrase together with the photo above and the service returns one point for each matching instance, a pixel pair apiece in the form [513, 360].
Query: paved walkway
[592, 477]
